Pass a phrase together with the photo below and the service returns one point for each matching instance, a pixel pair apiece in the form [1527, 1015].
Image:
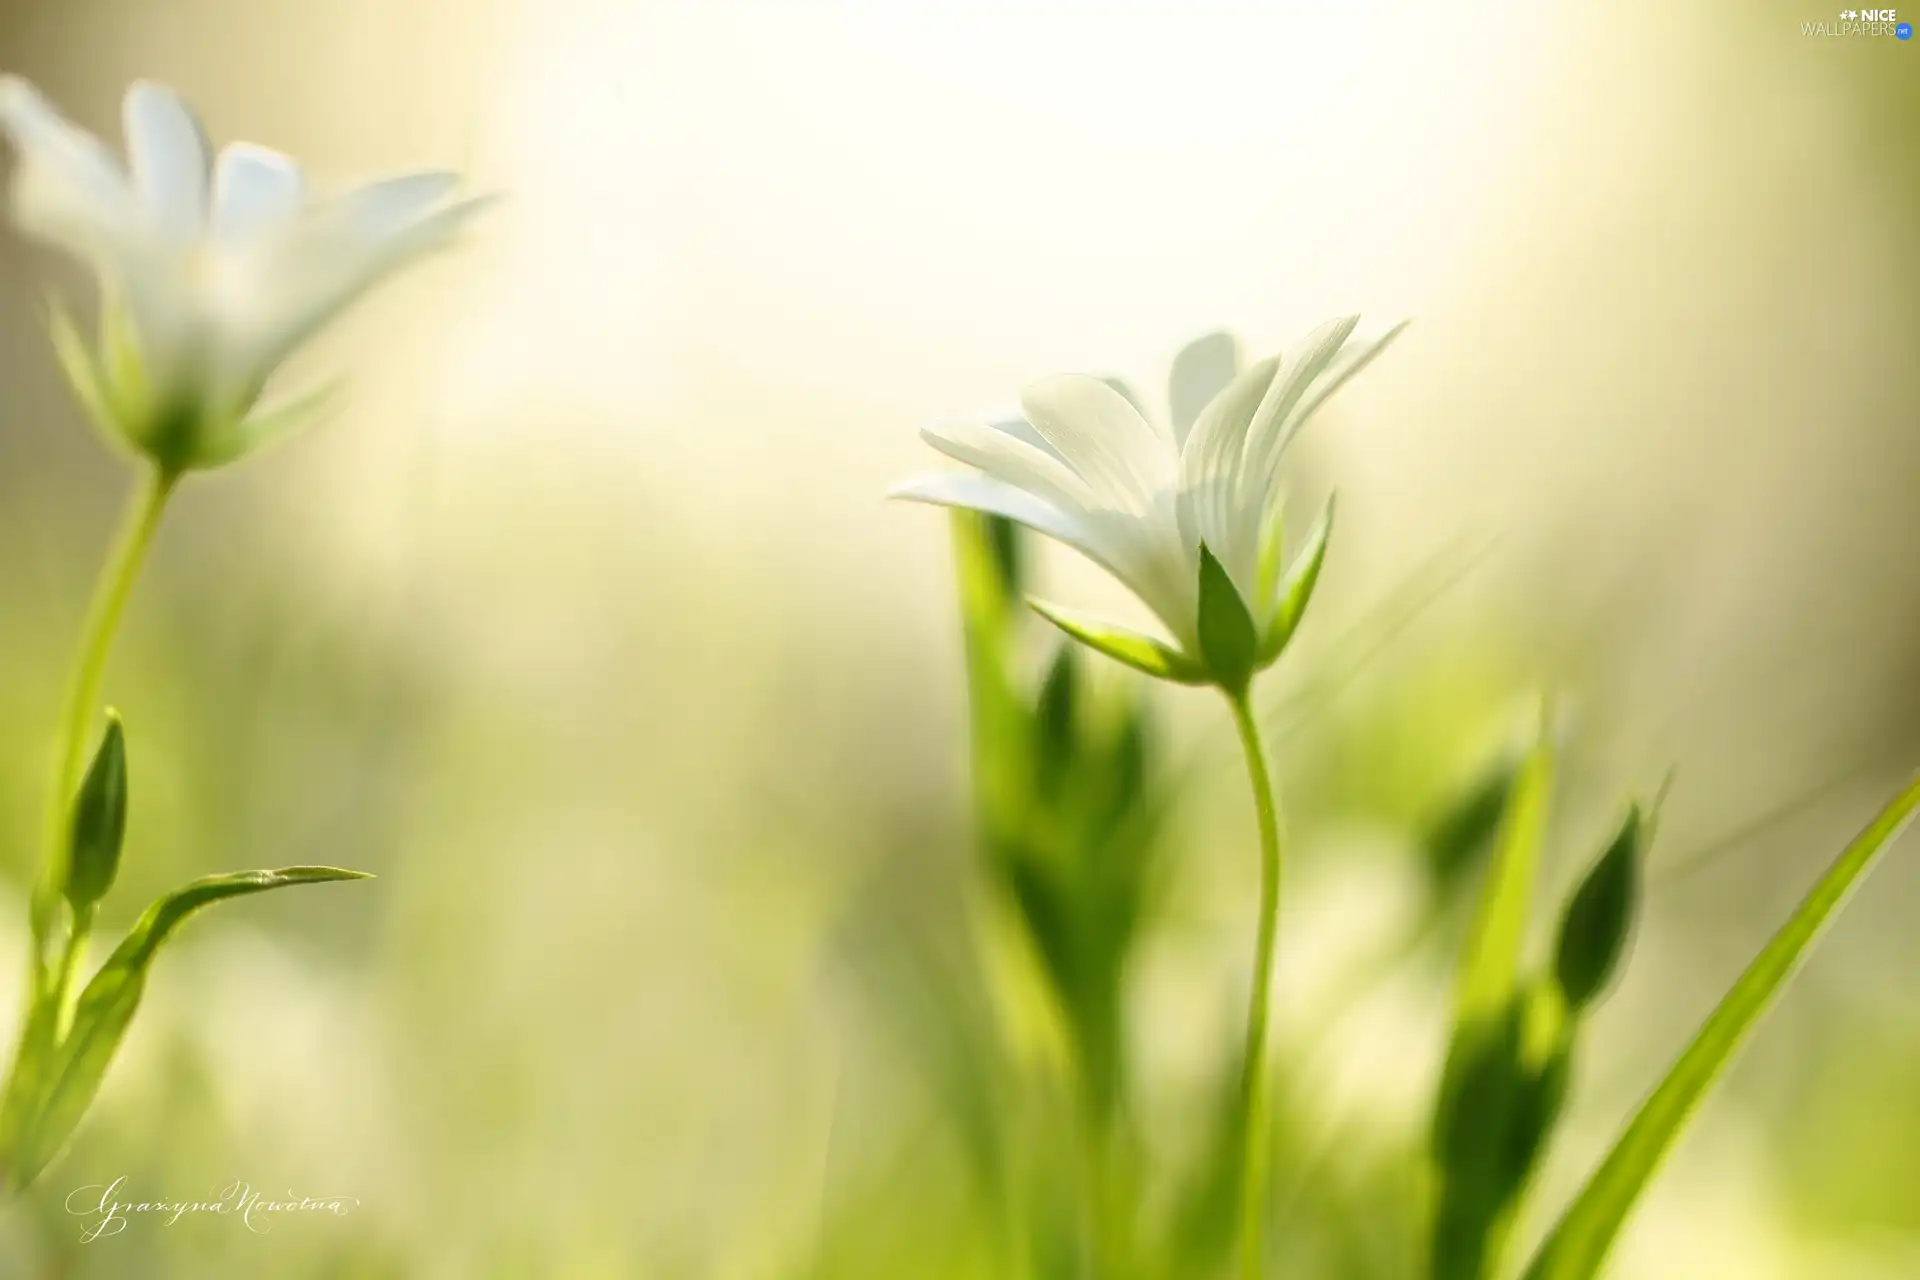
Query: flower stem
[1253, 1067]
[110, 594]
[49, 978]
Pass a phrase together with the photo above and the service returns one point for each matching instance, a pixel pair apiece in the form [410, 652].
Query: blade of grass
[1475, 1114]
[1578, 1245]
[1490, 973]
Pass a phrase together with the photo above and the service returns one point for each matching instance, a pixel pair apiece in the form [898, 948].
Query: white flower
[211, 272]
[1084, 466]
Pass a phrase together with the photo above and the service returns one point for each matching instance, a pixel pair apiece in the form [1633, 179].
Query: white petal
[1014, 462]
[167, 150]
[1103, 437]
[255, 191]
[313, 273]
[995, 498]
[1020, 429]
[1274, 424]
[391, 206]
[1209, 472]
[1352, 359]
[1111, 540]
[68, 189]
[1201, 371]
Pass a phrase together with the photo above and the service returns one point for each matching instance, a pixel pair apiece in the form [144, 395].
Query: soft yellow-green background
[587, 629]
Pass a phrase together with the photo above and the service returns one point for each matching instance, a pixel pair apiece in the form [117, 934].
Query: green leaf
[99, 821]
[1141, 652]
[1484, 1085]
[1296, 591]
[1055, 716]
[1579, 1244]
[1227, 638]
[109, 1002]
[217, 444]
[1489, 976]
[1594, 931]
[986, 559]
[84, 374]
[1461, 831]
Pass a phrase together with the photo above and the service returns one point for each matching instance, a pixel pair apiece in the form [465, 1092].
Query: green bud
[99, 821]
[1593, 934]
[1228, 640]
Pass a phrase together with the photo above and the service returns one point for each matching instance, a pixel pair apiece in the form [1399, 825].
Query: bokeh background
[586, 626]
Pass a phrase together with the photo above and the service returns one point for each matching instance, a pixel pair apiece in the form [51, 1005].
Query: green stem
[48, 983]
[110, 594]
[1253, 1072]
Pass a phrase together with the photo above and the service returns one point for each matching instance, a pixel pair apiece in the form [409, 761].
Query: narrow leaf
[1056, 714]
[1296, 590]
[1227, 638]
[1579, 1244]
[1141, 652]
[99, 821]
[109, 1002]
[83, 371]
[1489, 974]
[1484, 1105]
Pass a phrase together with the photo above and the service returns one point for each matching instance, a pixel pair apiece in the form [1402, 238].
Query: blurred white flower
[1085, 467]
[211, 271]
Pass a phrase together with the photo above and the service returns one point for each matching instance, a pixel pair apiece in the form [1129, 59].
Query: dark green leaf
[109, 1002]
[1475, 1129]
[1055, 715]
[1593, 934]
[1003, 537]
[1461, 830]
[1227, 638]
[1477, 1115]
[99, 821]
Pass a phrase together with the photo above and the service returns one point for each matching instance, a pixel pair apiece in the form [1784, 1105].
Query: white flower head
[212, 270]
[1188, 520]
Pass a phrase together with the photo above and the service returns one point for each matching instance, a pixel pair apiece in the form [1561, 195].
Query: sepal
[1228, 639]
[1295, 591]
[1139, 651]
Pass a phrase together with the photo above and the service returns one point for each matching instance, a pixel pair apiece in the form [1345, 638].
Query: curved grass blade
[1578, 1245]
[1479, 1088]
[108, 1004]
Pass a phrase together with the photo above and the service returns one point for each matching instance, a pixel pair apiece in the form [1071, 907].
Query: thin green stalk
[110, 594]
[1253, 1073]
[48, 983]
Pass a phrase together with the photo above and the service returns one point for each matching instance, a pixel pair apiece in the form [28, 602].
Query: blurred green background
[586, 627]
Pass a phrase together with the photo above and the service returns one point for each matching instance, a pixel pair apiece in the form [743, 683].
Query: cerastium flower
[1190, 522]
[211, 272]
